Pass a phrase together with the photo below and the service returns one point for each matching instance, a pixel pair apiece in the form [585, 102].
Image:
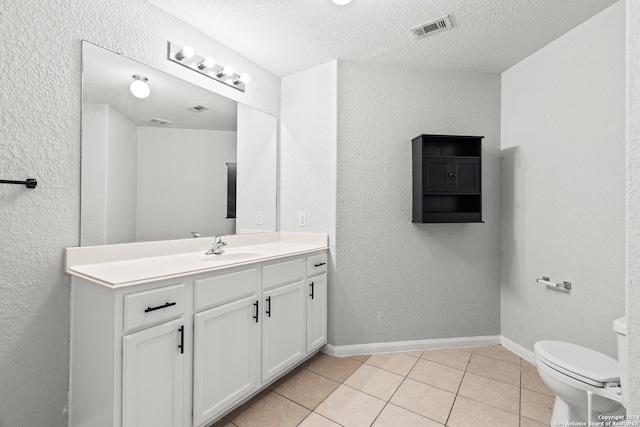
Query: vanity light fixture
[139, 87]
[207, 66]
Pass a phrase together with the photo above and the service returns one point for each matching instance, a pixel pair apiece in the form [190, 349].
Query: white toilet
[571, 371]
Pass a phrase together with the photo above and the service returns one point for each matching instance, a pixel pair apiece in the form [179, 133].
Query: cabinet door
[225, 356]
[436, 174]
[283, 341]
[466, 175]
[152, 372]
[316, 312]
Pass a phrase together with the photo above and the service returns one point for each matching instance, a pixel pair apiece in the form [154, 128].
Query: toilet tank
[621, 328]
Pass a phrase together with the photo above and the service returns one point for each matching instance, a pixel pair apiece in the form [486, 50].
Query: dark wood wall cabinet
[447, 178]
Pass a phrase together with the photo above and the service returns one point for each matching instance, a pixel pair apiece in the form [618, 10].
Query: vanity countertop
[117, 266]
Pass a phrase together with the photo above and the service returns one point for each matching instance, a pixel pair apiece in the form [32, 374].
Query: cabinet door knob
[268, 310]
[181, 346]
[256, 305]
[311, 294]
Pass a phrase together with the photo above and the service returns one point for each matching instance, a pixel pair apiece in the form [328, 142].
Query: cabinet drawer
[282, 273]
[154, 306]
[316, 264]
[223, 288]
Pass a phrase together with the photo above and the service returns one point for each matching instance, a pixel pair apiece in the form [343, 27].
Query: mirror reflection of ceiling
[106, 80]
[287, 36]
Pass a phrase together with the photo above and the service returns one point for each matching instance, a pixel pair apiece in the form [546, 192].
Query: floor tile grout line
[446, 423]
[442, 364]
[327, 396]
[381, 411]
[387, 370]
[368, 394]
[407, 409]
[520, 398]
[495, 358]
[485, 403]
[484, 376]
[394, 393]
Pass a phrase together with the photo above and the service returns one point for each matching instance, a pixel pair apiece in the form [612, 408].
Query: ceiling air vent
[198, 108]
[159, 122]
[431, 27]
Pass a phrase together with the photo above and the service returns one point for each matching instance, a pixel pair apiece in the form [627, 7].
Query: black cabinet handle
[169, 304]
[268, 310]
[256, 305]
[311, 294]
[181, 346]
[318, 265]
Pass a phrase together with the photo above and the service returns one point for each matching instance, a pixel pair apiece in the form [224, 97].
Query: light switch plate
[302, 219]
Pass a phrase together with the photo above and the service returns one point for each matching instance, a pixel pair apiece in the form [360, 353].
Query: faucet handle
[195, 234]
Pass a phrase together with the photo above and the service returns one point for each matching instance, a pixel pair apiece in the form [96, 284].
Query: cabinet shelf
[447, 179]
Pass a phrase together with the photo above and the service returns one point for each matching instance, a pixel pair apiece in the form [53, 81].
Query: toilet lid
[579, 360]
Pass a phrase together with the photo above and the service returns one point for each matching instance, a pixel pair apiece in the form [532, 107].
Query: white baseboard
[517, 349]
[390, 347]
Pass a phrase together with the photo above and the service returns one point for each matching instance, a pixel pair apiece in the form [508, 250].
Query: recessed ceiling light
[341, 2]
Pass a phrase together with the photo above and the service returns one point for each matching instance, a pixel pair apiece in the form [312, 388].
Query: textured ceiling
[106, 77]
[286, 36]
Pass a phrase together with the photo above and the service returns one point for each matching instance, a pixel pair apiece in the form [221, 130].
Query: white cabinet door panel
[152, 377]
[316, 312]
[225, 356]
[284, 325]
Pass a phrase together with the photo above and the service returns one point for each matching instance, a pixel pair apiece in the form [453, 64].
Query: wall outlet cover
[259, 218]
[302, 219]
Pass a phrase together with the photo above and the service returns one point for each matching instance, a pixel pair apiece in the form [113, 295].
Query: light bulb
[341, 2]
[207, 62]
[139, 87]
[227, 70]
[185, 52]
[243, 78]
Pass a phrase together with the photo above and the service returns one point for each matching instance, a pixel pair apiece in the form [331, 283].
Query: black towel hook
[30, 182]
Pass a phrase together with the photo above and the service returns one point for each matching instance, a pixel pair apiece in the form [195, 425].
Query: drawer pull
[268, 310]
[169, 304]
[319, 264]
[311, 294]
[256, 316]
[181, 346]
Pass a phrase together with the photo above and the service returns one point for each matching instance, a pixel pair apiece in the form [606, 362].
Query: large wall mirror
[163, 166]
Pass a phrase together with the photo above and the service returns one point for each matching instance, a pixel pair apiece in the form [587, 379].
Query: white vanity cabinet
[182, 352]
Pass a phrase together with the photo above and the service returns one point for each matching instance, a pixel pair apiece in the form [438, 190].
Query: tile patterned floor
[462, 387]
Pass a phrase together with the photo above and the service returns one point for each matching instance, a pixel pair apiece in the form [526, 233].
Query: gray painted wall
[395, 280]
[563, 187]
[40, 137]
[633, 201]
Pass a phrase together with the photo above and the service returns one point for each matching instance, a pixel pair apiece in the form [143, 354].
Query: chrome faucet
[218, 245]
